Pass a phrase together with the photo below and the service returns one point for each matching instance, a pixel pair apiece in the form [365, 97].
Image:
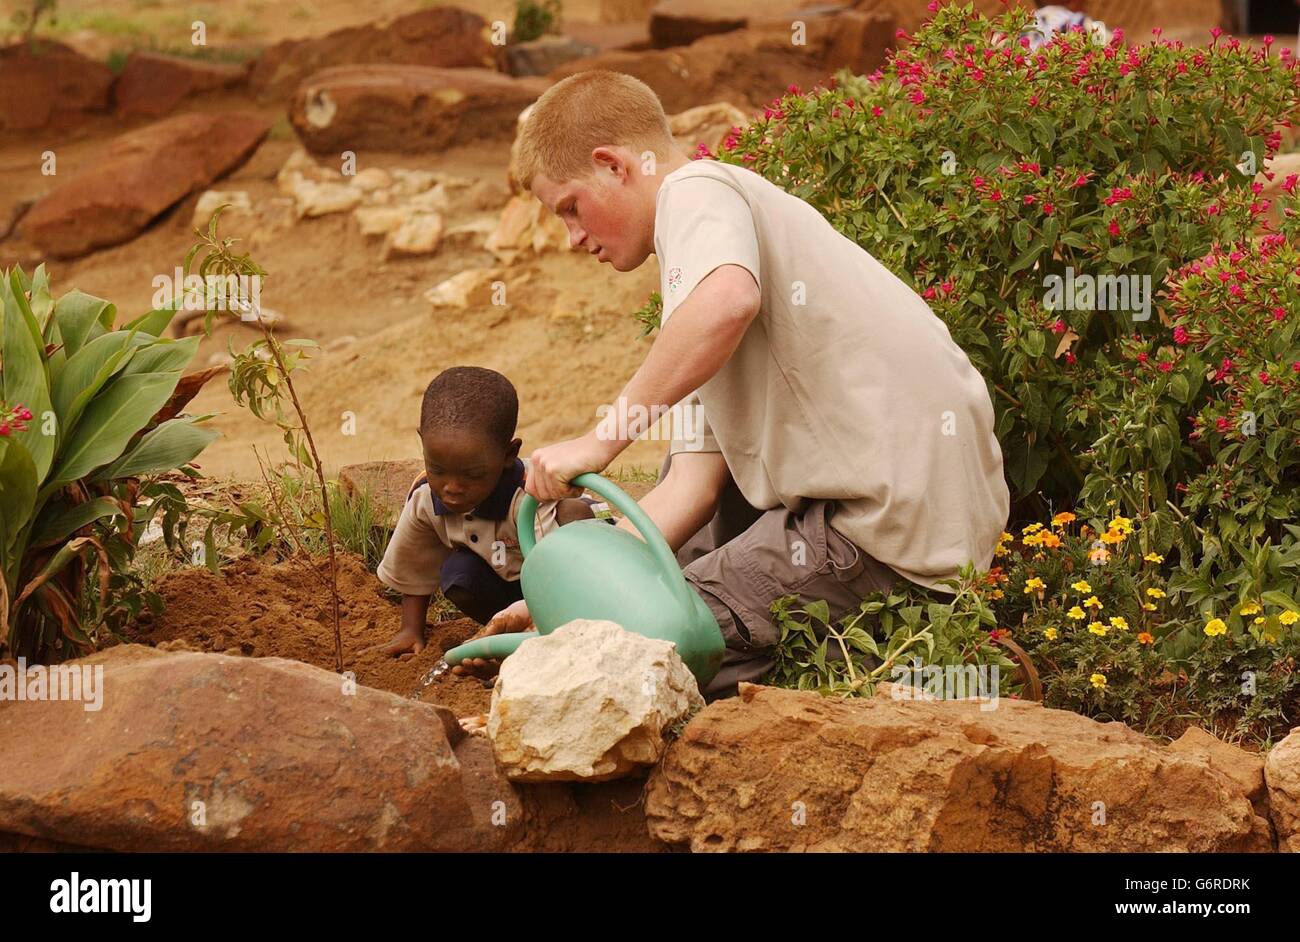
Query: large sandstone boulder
[779, 769]
[442, 36]
[748, 67]
[195, 751]
[588, 702]
[1282, 773]
[152, 84]
[137, 177]
[526, 227]
[707, 125]
[542, 55]
[53, 84]
[681, 22]
[406, 107]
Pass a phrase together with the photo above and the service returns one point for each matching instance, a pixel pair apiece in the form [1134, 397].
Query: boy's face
[609, 212]
[464, 465]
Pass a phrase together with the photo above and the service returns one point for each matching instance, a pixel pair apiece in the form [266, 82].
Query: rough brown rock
[53, 84]
[542, 55]
[280, 754]
[406, 107]
[747, 67]
[138, 176]
[153, 85]
[1282, 773]
[681, 22]
[442, 36]
[778, 769]
[708, 125]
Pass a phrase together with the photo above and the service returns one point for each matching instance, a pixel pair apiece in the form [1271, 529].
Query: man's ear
[609, 160]
[512, 451]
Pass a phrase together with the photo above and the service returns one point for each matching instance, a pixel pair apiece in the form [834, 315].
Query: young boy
[856, 434]
[457, 531]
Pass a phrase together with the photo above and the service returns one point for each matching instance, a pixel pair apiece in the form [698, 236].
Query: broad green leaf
[163, 356]
[26, 380]
[157, 320]
[85, 374]
[111, 420]
[56, 525]
[170, 445]
[18, 486]
[76, 313]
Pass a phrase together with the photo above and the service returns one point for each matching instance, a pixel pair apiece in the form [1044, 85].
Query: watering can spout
[588, 569]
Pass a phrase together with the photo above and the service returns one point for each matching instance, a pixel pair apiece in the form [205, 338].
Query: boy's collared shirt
[427, 532]
[845, 387]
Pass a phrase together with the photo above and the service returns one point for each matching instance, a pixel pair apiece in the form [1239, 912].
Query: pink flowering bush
[978, 170]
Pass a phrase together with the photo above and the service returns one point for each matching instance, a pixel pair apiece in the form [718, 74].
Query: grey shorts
[744, 559]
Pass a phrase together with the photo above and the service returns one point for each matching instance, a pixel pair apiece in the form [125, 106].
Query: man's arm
[698, 339]
[686, 498]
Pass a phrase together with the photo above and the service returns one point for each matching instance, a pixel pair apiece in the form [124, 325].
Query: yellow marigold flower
[1093, 602]
[1112, 536]
[1076, 613]
[1121, 525]
[1063, 518]
[1050, 540]
[1250, 608]
[1032, 584]
[1148, 606]
[1032, 528]
[1215, 626]
[1260, 620]
[1145, 637]
[997, 594]
[1081, 586]
[1154, 558]
[1098, 681]
[1005, 537]
[1156, 593]
[1288, 617]
[1033, 539]
[1098, 629]
[1050, 634]
[1001, 551]
[1120, 622]
[1269, 637]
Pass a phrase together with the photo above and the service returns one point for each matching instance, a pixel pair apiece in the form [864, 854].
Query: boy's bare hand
[404, 645]
[513, 618]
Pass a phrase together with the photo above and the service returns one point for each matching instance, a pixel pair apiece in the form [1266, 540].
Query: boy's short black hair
[471, 397]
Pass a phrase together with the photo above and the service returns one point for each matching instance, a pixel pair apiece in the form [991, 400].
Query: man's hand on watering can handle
[513, 618]
[550, 469]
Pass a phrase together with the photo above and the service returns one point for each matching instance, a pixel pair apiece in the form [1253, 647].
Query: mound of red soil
[283, 609]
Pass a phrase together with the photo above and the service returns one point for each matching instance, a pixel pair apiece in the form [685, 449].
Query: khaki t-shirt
[427, 532]
[845, 387]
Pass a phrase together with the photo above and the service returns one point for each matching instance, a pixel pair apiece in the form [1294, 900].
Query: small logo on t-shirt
[674, 278]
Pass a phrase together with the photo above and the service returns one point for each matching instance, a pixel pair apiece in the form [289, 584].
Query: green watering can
[588, 569]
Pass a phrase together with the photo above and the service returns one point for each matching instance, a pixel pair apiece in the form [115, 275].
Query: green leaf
[163, 356]
[170, 445]
[18, 486]
[26, 380]
[110, 421]
[156, 321]
[86, 373]
[55, 526]
[76, 313]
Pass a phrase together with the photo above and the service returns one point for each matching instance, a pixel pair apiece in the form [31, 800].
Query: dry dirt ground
[565, 340]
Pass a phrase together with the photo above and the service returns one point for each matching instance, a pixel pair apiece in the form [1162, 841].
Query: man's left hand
[551, 468]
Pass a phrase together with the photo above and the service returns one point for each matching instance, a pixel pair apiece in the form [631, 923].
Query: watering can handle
[632, 510]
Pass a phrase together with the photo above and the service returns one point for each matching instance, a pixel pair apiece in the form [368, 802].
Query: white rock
[211, 199]
[433, 200]
[419, 235]
[372, 178]
[381, 220]
[526, 225]
[321, 199]
[469, 288]
[589, 701]
[411, 182]
[301, 167]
